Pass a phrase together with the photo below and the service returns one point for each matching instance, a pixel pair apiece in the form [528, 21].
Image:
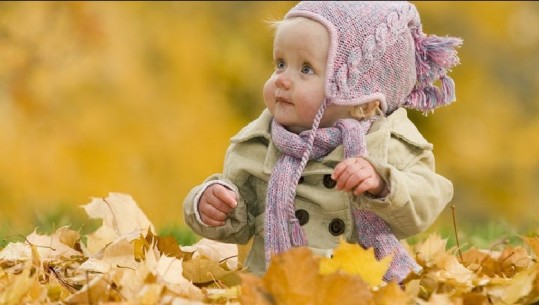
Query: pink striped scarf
[282, 228]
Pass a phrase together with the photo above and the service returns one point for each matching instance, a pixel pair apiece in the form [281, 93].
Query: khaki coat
[396, 149]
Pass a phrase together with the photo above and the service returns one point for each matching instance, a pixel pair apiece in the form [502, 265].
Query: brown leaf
[533, 243]
[341, 289]
[513, 260]
[201, 270]
[169, 246]
[253, 291]
[216, 251]
[292, 277]
[392, 294]
[475, 298]
[140, 246]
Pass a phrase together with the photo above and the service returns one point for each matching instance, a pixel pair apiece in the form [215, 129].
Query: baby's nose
[283, 81]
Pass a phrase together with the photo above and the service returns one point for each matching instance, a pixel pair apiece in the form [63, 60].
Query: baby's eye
[279, 64]
[306, 69]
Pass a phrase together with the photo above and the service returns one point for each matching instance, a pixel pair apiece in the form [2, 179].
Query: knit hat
[378, 51]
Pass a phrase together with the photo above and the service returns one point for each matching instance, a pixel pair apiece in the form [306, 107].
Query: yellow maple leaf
[353, 259]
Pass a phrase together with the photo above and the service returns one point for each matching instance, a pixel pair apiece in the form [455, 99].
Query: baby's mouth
[280, 99]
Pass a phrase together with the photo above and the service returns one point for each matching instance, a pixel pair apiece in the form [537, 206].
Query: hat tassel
[435, 56]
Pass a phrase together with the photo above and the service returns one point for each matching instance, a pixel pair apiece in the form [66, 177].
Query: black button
[300, 181]
[336, 227]
[302, 216]
[328, 182]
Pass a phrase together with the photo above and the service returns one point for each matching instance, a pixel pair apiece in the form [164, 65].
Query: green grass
[183, 235]
[492, 235]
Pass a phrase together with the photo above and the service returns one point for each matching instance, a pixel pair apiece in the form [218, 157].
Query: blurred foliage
[142, 98]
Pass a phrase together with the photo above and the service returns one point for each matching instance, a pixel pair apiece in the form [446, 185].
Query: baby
[334, 154]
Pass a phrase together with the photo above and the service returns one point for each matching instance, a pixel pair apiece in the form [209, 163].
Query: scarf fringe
[375, 233]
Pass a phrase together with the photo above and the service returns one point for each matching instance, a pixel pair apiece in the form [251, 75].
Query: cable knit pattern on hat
[379, 52]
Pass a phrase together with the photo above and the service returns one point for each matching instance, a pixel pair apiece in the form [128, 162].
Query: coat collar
[397, 125]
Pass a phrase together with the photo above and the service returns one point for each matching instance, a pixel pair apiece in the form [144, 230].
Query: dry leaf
[510, 291]
[292, 277]
[201, 270]
[134, 266]
[122, 218]
[475, 298]
[452, 269]
[51, 247]
[392, 294]
[120, 254]
[96, 291]
[170, 270]
[353, 259]
[341, 289]
[533, 243]
[13, 293]
[430, 249]
[253, 291]
[440, 299]
[149, 294]
[16, 252]
[216, 251]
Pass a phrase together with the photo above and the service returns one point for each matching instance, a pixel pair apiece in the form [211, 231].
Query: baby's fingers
[365, 185]
[225, 196]
[211, 216]
[341, 168]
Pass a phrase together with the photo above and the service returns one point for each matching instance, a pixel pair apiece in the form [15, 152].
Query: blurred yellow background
[142, 98]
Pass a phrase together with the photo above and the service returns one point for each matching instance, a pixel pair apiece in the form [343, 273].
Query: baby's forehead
[302, 22]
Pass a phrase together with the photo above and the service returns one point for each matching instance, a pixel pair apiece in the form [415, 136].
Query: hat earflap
[434, 57]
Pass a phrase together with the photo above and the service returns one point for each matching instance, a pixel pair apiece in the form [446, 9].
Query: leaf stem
[453, 207]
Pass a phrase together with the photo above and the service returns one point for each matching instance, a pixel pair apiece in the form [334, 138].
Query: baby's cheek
[269, 93]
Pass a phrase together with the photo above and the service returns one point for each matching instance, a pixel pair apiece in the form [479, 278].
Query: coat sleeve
[239, 227]
[417, 194]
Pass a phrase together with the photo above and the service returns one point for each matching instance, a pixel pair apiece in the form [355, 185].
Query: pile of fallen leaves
[124, 262]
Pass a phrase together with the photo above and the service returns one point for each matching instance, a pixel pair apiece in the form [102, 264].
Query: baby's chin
[296, 129]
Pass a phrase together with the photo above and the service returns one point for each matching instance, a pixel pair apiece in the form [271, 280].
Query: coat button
[302, 216]
[336, 227]
[328, 182]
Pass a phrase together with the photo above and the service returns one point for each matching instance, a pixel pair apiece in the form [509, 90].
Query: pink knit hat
[378, 51]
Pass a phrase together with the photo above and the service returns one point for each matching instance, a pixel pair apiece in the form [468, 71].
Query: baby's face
[295, 90]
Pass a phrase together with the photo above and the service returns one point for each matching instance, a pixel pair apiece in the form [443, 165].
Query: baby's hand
[357, 175]
[215, 204]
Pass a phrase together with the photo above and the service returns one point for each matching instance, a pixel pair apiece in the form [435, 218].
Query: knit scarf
[282, 228]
